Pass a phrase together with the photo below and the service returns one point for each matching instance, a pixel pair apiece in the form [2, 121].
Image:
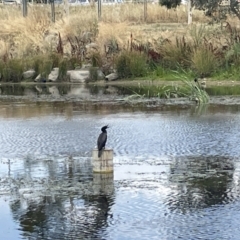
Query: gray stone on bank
[53, 76]
[78, 76]
[29, 74]
[100, 74]
[38, 78]
[112, 77]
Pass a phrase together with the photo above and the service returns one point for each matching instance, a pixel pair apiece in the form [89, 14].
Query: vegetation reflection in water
[62, 199]
[144, 90]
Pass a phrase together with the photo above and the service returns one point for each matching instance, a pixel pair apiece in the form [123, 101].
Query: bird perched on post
[102, 139]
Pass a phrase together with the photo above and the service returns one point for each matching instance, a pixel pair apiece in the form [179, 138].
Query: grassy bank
[164, 47]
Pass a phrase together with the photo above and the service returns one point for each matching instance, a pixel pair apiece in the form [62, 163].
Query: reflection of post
[9, 167]
[104, 164]
[103, 183]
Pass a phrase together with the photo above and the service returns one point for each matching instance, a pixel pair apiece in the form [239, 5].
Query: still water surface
[176, 172]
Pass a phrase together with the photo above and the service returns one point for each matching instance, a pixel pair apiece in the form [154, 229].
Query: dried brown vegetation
[164, 39]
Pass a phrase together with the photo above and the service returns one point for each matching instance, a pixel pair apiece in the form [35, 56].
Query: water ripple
[176, 176]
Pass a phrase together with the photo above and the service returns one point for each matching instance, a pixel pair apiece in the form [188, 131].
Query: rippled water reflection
[176, 172]
[86, 91]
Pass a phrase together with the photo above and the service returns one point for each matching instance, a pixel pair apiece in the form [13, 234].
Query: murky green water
[148, 90]
[176, 171]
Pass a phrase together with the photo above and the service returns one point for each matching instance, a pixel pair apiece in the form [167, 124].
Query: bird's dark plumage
[102, 139]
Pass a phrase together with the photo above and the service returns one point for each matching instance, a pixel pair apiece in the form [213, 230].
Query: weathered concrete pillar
[104, 164]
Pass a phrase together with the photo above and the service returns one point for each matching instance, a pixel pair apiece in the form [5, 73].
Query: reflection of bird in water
[102, 139]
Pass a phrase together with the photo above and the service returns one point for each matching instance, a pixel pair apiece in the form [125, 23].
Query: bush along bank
[205, 52]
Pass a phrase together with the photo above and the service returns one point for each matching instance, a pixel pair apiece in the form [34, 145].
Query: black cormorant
[102, 139]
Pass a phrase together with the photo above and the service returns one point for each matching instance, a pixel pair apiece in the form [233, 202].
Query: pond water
[148, 90]
[176, 171]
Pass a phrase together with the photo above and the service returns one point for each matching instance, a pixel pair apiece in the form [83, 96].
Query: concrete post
[24, 8]
[145, 10]
[99, 10]
[189, 12]
[66, 8]
[53, 10]
[104, 164]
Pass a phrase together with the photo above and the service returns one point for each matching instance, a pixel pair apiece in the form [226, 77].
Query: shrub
[63, 67]
[123, 65]
[96, 59]
[138, 66]
[93, 73]
[74, 63]
[204, 62]
[46, 67]
[233, 54]
[178, 53]
[131, 64]
[12, 70]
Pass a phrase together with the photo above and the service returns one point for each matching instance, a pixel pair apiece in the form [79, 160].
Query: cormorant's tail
[100, 153]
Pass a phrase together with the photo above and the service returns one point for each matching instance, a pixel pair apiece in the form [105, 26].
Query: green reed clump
[195, 91]
[96, 59]
[55, 58]
[93, 74]
[204, 62]
[131, 64]
[123, 65]
[177, 53]
[11, 70]
[42, 64]
[46, 67]
[63, 68]
[233, 54]
[74, 63]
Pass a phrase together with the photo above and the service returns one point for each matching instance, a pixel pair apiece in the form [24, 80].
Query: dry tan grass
[36, 33]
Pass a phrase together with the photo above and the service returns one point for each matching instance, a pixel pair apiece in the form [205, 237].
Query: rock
[78, 76]
[111, 77]
[38, 78]
[29, 74]
[53, 76]
[101, 75]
